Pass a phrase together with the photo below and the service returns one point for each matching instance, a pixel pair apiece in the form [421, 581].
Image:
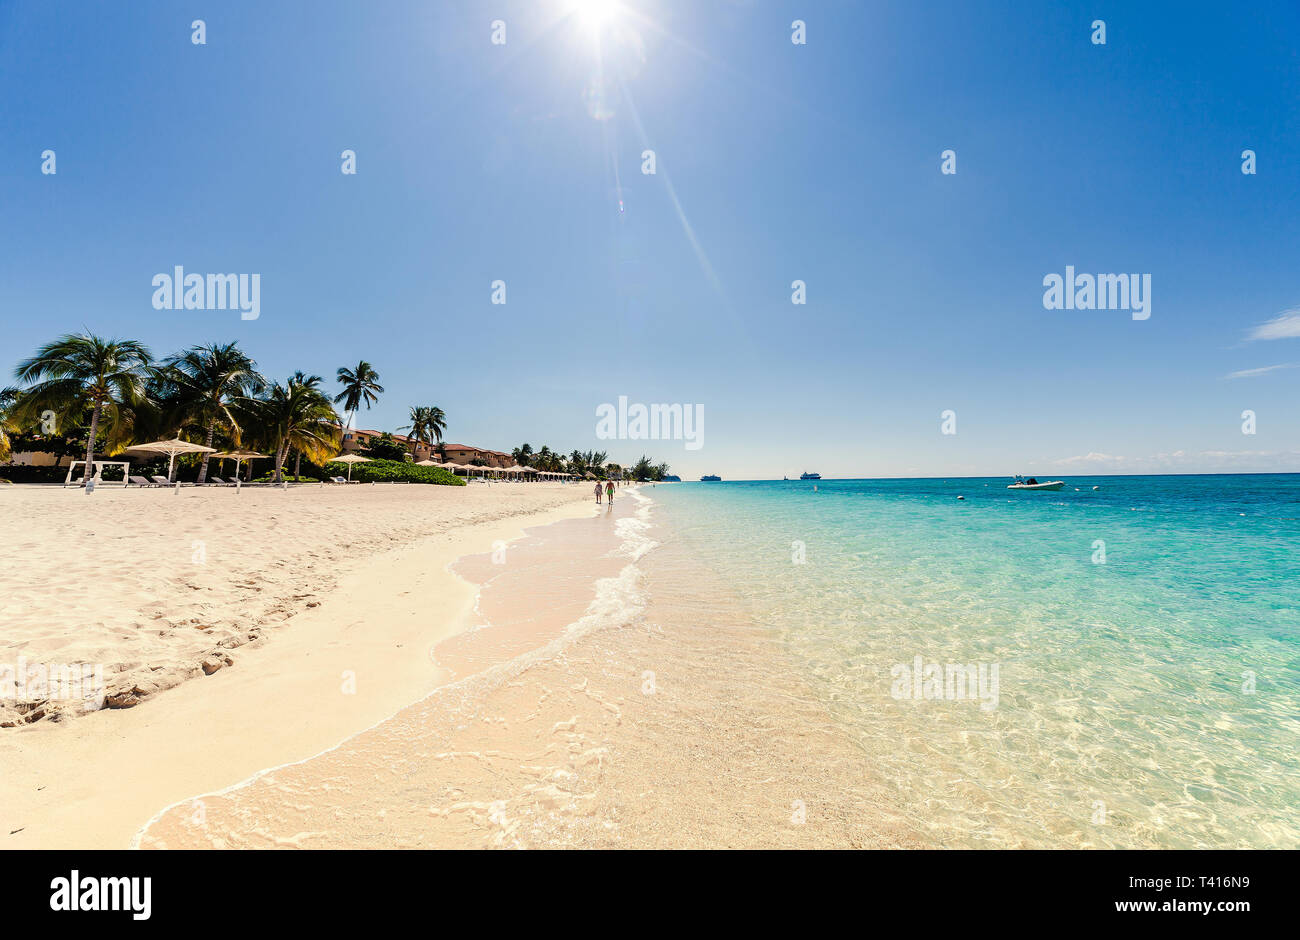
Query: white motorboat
[1032, 484]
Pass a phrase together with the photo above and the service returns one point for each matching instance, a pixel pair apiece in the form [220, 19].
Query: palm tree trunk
[90, 440]
[280, 451]
[297, 465]
[203, 466]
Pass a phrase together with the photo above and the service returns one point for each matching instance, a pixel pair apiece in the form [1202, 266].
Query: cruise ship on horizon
[810, 476]
[710, 478]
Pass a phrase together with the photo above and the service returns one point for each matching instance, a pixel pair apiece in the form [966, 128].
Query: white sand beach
[377, 704]
[299, 594]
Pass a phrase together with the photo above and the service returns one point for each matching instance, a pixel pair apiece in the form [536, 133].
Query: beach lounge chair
[141, 481]
[338, 479]
[217, 481]
[160, 480]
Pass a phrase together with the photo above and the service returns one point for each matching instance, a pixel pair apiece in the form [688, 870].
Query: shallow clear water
[1146, 639]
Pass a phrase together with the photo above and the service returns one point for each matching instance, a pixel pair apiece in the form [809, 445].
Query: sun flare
[594, 13]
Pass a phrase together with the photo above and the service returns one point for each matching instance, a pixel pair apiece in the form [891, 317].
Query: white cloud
[1285, 325]
[1262, 370]
[1089, 458]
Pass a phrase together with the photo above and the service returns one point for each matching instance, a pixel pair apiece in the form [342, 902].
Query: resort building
[355, 439]
[467, 454]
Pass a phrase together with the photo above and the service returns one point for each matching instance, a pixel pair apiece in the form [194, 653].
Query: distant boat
[710, 478]
[1033, 484]
[810, 476]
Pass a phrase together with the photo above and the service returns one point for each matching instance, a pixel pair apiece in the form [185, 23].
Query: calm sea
[1115, 664]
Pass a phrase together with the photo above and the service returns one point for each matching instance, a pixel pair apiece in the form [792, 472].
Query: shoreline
[92, 781]
[647, 722]
[598, 690]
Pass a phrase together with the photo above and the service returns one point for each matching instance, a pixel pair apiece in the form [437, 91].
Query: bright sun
[594, 13]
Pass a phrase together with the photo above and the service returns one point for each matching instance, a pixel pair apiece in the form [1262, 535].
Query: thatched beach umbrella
[350, 459]
[171, 449]
[239, 456]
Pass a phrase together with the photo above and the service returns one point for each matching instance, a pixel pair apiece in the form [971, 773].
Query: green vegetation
[298, 416]
[426, 427]
[8, 427]
[208, 381]
[22, 474]
[82, 394]
[360, 386]
[384, 448]
[394, 471]
[580, 463]
[644, 471]
[77, 375]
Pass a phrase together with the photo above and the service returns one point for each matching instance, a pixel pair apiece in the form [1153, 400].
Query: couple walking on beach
[608, 488]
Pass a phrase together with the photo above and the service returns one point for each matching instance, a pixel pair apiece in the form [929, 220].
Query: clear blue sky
[776, 162]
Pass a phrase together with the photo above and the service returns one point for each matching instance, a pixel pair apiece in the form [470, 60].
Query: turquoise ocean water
[1145, 634]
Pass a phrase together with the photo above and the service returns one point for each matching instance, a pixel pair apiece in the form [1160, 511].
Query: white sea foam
[633, 529]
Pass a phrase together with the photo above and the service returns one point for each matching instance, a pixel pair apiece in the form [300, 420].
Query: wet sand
[656, 717]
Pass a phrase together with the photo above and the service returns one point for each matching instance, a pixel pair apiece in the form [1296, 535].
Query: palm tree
[8, 425]
[360, 385]
[593, 460]
[418, 427]
[437, 423]
[522, 454]
[426, 427]
[81, 372]
[210, 379]
[298, 415]
[311, 381]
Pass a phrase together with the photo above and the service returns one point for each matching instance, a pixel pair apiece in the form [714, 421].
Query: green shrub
[394, 471]
[385, 448]
[20, 474]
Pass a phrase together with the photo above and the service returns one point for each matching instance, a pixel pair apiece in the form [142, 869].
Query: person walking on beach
[598, 491]
[609, 491]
